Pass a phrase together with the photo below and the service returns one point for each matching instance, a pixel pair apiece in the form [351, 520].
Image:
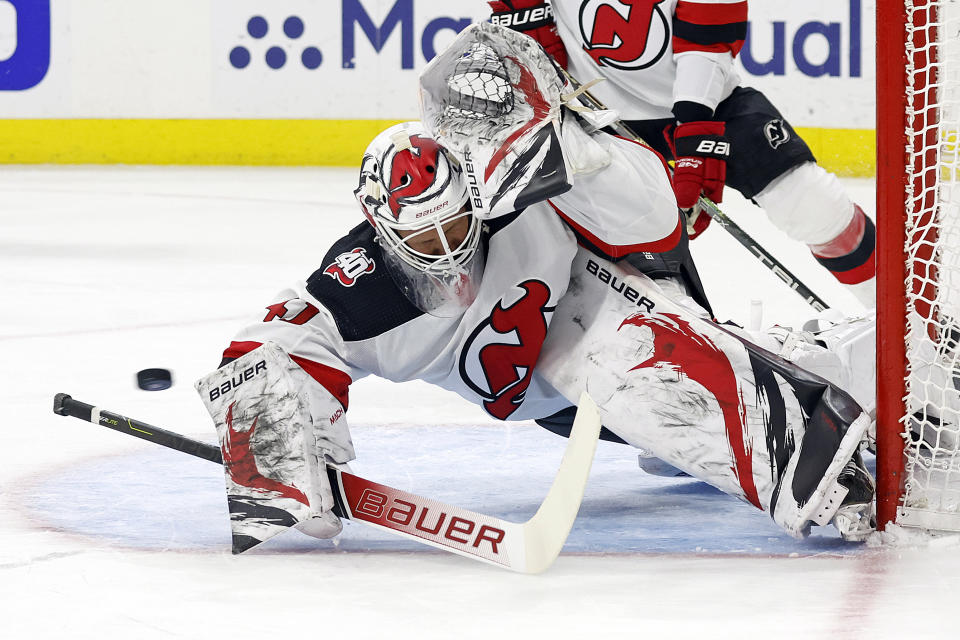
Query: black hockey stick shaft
[765, 257]
[65, 405]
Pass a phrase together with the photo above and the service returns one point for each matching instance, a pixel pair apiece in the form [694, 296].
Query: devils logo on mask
[498, 358]
[413, 172]
[624, 34]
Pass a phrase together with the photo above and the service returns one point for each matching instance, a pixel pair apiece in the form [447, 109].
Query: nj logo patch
[347, 267]
[776, 133]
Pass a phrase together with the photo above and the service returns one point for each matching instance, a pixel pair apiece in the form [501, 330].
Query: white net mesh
[932, 487]
[479, 86]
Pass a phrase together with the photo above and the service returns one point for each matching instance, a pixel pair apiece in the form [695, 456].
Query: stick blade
[529, 547]
[546, 532]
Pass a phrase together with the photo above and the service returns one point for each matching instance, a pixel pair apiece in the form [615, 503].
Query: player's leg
[704, 399]
[675, 272]
[773, 166]
[652, 133]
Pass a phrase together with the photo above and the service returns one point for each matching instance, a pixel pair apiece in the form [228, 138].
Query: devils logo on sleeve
[498, 358]
[624, 34]
[678, 346]
[349, 266]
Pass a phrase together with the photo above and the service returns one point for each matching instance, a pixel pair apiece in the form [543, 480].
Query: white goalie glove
[493, 99]
[278, 430]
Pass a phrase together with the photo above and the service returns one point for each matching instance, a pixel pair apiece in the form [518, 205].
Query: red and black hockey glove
[700, 161]
[533, 18]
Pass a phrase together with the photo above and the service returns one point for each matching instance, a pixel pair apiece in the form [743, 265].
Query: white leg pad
[700, 398]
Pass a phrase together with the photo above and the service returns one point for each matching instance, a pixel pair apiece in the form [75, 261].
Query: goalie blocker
[267, 409]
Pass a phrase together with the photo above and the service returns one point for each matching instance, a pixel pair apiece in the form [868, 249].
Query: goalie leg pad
[274, 423]
[701, 397]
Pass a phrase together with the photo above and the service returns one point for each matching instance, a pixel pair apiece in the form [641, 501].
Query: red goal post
[918, 276]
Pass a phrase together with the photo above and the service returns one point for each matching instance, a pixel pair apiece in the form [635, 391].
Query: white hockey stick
[528, 547]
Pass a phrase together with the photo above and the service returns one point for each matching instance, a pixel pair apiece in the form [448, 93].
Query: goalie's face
[414, 195]
[440, 239]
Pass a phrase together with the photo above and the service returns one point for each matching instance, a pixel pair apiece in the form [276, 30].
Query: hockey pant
[700, 397]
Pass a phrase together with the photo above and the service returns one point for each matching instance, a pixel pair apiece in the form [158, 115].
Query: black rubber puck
[154, 379]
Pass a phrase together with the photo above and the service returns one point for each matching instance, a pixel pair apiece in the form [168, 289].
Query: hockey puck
[154, 379]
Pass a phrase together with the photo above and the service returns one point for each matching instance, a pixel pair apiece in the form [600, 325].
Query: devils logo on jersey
[498, 358]
[678, 346]
[349, 266]
[624, 34]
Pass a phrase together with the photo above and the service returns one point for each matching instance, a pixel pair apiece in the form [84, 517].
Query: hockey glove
[278, 432]
[533, 18]
[700, 166]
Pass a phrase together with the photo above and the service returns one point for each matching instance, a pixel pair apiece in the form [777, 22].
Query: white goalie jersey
[349, 319]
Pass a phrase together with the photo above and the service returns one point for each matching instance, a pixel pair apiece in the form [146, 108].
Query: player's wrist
[688, 111]
[522, 15]
[533, 18]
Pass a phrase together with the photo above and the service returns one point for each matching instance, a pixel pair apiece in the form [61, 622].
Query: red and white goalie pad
[276, 427]
[670, 381]
[493, 99]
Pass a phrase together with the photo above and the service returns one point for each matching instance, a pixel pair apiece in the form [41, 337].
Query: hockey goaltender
[517, 255]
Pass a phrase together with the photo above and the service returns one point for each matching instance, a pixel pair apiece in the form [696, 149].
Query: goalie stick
[528, 547]
[710, 207]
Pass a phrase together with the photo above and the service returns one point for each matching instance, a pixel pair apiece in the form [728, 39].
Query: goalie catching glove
[278, 430]
[533, 18]
[493, 99]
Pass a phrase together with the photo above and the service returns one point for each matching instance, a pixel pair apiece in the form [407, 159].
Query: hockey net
[918, 218]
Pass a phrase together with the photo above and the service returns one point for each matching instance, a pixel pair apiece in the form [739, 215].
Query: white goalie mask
[415, 196]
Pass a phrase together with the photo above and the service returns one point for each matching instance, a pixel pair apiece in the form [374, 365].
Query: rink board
[264, 142]
[302, 82]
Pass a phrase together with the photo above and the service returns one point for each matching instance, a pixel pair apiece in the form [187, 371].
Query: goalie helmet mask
[414, 194]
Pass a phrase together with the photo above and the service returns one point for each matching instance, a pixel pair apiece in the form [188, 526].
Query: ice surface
[107, 271]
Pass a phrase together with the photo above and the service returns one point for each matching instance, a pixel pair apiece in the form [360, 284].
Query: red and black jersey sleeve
[714, 26]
